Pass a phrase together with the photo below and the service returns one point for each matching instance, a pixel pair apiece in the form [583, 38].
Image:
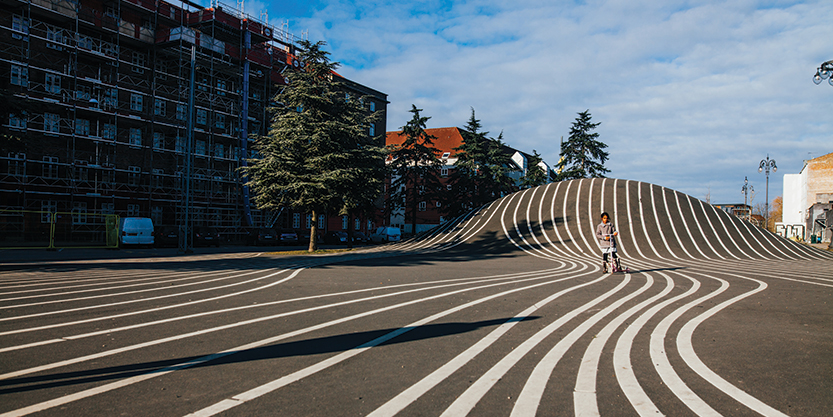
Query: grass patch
[306, 252]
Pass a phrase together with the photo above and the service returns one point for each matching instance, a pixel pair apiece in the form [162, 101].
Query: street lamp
[765, 165]
[746, 190]
[824, 72]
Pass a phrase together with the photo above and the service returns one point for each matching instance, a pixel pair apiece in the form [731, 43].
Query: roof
[447, 138]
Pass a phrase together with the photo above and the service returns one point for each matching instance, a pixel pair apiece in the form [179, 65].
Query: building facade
[120, 121]
[807, 196]
[446, 139]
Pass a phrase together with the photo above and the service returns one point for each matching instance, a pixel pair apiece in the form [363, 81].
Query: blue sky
[691, 95]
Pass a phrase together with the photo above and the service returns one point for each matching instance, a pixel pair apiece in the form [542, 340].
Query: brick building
[111, 82]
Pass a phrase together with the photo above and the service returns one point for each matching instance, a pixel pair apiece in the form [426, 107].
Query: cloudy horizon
[691, 95]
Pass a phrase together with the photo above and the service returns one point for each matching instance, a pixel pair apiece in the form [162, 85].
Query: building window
[17, 163]
[344, 220]
[199, 147]
[422, 206]
[79, 213]
[159, 107]
[309, 221]
[108, 208]
[135, 136]
[221, 86]
[180, 112]
[158, 140]
[108, 131]
[108, 176]
[53, 83]
[357, 224]
[133, 210]
[133, 175]
[219, 150]
[161, 69]
[202, 116]
[180, 144]
[372, 130]
[82, 93]
[372, 106]
[54, 34]
[296, 220]
[138, 62]
[220, 121]
[135, 102]
[156, 179]
[85, 42]
[156, 214]
[111, 98]
[81, 173]
[51, 122]
[444, 171]
[82, 127]
[20, 76]
[47, 208]
[19, 24]
[50, 167]
[17, 121]
[322, 221]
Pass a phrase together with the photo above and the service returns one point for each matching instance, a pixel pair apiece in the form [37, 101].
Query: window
[180, 144]
[108, 176]
[53, 83]
[446, 155]
[138, 62]
[156, 214]
[133, 210]
[135, 102]
[80, 173]
[296, 220]
[108, 208]
[85, 42]
[19, 24]
[54, 34]
[220, 121]
[82, 127]
[221, 85]
[79, 213]
[82, 93]
[110, 11]
[199, 147]
[219, 150]
[156, 179]
[372, 130]
[444, 171]
[422, 206]
[372, 106]
[322, 221]
[357, 224]
[135, 136]
[50, 169]
[133, 175]
[159, 107]
[17, 163]
[202, 116]
[111, 98]
[180, 112]
[20, 76]
[17, 121]
[309, 221]
[108, 131]
[47, 208]
[161, 69]
[344, 220]
[51, 123]
[158, 140]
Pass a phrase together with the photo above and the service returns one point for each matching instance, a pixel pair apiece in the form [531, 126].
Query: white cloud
[691, 94]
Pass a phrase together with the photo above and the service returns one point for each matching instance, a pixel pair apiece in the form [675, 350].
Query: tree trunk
[313, 232]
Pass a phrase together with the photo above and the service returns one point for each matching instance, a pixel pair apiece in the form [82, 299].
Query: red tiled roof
[447, 138]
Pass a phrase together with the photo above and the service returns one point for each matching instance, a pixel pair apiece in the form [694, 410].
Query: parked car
[288, 237]
[335, 238]
[386, 234]
[359, 237]
[166, 236]
[303, 236]
[135, 231]
[264, 236]
[206, 236]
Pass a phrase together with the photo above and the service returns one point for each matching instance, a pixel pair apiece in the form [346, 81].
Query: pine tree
[534, 175]
[415, 168]
[481, 172]
[583, 156]
[317, 156]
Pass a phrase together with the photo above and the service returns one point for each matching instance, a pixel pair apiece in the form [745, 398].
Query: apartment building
[111, 87]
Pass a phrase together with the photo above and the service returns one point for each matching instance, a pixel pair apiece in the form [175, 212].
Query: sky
[691, 95]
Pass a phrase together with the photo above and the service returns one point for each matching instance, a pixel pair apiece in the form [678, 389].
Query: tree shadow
[316, 346]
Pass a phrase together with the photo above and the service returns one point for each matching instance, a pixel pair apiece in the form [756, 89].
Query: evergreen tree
[583, 155]
[481, 172]
[415, 168]
[317, 155]
[534, 175]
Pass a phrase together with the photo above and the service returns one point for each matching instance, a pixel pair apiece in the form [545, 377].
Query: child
[606, 233]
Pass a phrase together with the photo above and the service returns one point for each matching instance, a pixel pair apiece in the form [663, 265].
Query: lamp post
[746, 190]
[824, 72]
[765, 165]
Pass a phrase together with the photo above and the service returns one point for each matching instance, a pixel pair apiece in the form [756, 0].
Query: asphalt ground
[502, 312]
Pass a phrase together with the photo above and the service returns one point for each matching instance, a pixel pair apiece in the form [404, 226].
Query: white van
[135, 231]
[386, 234]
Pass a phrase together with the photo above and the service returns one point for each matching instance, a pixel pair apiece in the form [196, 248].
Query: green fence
[23, 229]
